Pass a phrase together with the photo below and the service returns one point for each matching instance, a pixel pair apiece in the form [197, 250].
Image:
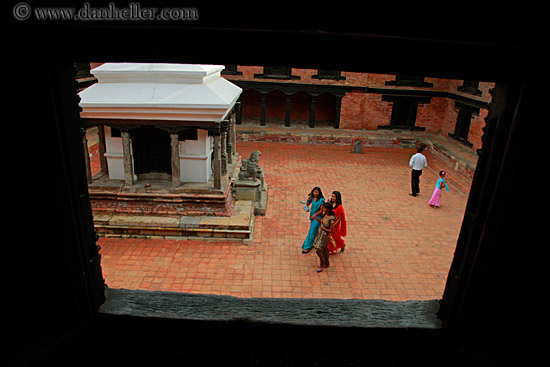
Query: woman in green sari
[316, 200]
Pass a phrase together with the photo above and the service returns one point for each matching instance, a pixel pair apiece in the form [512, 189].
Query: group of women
[327, 226]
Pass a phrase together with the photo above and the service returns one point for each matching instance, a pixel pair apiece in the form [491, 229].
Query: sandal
[306, 251]
[321, 269]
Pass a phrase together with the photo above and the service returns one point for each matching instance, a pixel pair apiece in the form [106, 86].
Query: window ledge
[321, 77]
[409, 83]
[409, 128]
[317, 312]
[462, 140]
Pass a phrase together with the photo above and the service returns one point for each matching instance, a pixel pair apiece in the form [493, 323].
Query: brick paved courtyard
[398, 247]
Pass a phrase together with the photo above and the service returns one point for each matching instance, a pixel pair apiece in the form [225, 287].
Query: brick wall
[367, 111]
[434, 115]
[476, 129]
[352, 111]
[377, 112]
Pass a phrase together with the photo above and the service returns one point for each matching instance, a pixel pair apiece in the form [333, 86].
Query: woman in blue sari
[316, 199]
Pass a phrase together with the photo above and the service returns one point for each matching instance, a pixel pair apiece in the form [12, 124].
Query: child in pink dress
[435, 201]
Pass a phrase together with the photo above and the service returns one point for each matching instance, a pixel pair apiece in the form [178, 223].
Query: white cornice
[159, 91]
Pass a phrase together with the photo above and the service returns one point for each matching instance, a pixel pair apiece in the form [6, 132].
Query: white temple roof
[179, 92]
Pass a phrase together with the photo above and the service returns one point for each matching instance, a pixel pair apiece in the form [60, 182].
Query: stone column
[175, 163]
[216, 164]
[101, 146]
[86, 157]
[239, 117]
[233, 132]
[229, 141]
[262, 115]
[287, 113]
[312, 110]
[127, 156]
[223, 146]
[337, 109]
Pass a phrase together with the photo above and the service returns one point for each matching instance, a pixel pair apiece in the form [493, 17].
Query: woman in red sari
[340, 226]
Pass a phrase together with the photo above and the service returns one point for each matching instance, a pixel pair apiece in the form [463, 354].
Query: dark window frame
[404, 80]
[231, 70]
[328, 74]
[470, 87]
[277, 72]
[463, 122]
[400, 102]
[468, 300]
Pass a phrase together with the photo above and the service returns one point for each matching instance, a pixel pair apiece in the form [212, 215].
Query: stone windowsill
[316, 312]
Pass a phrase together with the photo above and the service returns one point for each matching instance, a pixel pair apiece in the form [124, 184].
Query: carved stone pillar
[312, 107]
[233, 129]
[263, 97]
[229, 141]
[101, 147]
[287, 113]
[239, 115]
[175, 162]
[223, 146]
[337, 109]
[127, 156]
[216, 164]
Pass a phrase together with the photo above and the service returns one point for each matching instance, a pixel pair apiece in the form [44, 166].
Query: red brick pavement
[398, 247]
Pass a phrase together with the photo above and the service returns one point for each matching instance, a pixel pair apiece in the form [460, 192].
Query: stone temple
[169, 166]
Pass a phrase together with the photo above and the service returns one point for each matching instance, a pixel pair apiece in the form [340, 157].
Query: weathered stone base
[255, 191]
[367, 139]
[456, 157]
[237, 226]
[121, 200]
[153, 208]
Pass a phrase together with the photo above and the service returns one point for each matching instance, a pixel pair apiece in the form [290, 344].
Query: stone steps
[239, 225]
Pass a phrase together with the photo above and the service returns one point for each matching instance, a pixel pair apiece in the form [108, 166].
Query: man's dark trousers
[415, 181]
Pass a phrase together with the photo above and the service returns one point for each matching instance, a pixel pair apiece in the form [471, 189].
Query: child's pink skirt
[436, 198]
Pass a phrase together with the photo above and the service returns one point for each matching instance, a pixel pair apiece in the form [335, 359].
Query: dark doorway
[403, 114]
[462, 127]
[151, 150]
[404, 111]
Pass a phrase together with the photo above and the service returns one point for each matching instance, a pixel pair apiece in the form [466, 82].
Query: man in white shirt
[417, 162]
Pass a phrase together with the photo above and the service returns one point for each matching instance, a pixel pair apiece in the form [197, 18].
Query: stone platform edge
[237, 226]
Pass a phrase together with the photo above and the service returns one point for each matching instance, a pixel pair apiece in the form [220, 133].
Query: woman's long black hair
[328, 206]
[320, 193]
[338, 198]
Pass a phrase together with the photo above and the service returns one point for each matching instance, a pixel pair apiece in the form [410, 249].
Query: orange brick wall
[359, 110]
[366, 111]
[352, 112]
[432, 115]
[476, 126]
